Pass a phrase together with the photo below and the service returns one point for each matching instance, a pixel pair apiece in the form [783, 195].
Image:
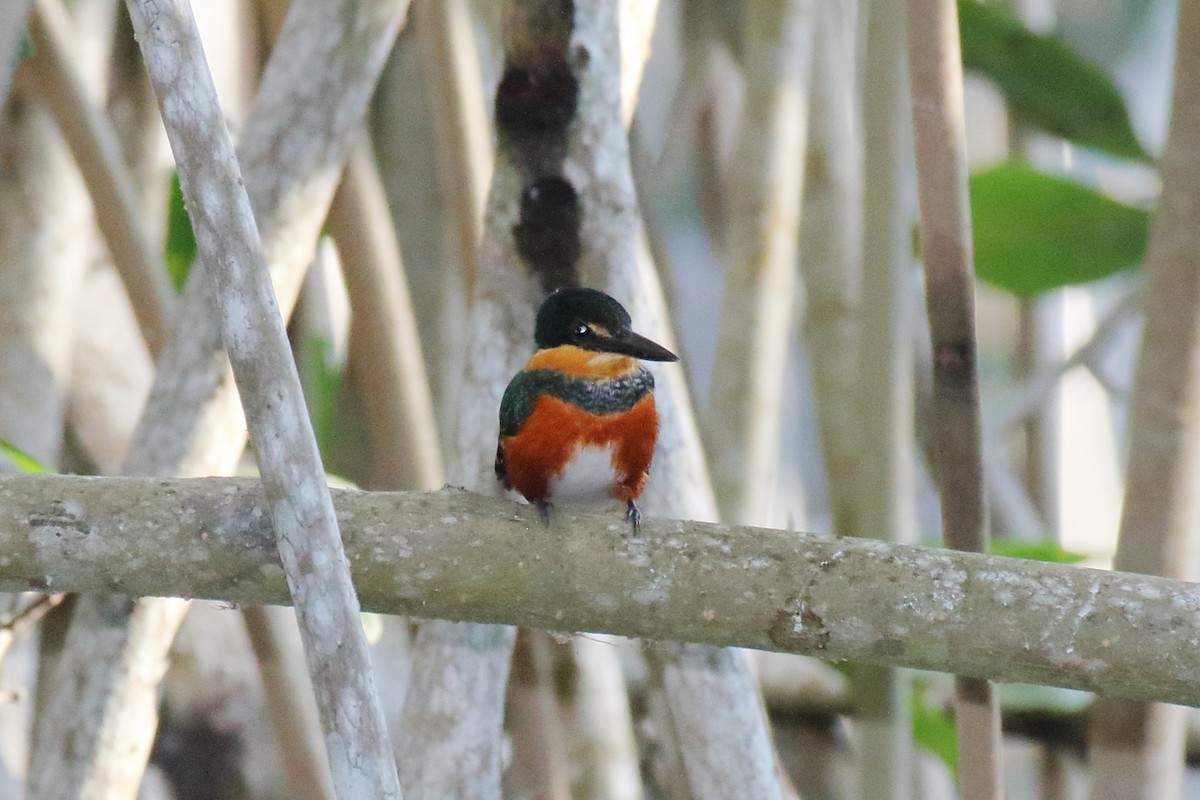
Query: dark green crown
[592, 320]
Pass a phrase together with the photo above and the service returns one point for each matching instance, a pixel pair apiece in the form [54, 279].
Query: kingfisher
[578, 423]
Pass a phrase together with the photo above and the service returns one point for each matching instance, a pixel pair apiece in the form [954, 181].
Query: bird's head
[592, 320]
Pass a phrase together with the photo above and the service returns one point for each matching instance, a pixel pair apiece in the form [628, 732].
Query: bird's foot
[543, 507]
[633, 514]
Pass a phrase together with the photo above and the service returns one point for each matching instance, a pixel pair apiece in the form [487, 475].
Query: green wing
[521, 396]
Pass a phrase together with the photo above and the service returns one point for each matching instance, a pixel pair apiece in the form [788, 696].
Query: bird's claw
[543, 507]
[633, 514]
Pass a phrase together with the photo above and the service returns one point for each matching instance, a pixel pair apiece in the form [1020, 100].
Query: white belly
[588, 479]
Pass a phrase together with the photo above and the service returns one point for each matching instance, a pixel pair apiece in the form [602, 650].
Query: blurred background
[1066, 106]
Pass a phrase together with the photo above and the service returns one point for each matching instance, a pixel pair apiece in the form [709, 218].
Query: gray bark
[292, 150]
[461, 556]
[285, 446]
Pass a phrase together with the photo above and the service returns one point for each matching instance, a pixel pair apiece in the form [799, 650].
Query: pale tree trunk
[1137, 749]
[46, 234]
[45, 221]
[697, 679]
[763, 192]
[502, 318]
[936, 74]
[291, 158]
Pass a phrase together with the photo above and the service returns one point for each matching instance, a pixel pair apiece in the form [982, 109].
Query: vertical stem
[385, 345]
[887, 479]
[97, 151]
[763, 229]
[464, 151]
[1138, 747]
[297, 729]
[604, 722]
[935, 62]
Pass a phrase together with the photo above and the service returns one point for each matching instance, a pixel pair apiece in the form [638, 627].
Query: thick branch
[458, 555]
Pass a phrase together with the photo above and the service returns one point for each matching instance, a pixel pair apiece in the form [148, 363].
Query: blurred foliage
[1047, 85]
[181, 242]
[322, 383]
[1034, 551]
[1035, 232]
[933, 728]
[22, 460]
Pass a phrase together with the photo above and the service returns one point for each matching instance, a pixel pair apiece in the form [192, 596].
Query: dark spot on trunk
[536, 102]
[547, 235]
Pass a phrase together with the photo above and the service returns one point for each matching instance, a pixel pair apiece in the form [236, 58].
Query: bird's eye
[582, 330]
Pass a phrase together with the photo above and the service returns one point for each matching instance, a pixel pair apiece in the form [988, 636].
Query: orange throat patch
[575, 362]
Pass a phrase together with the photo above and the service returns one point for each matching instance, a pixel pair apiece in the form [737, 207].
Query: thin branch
[884, 437]
[935, 63]
[1139, 748]
[284, 444]
[384, 340]
[604, 723]
[458, 555]
[464, 132]
[637, 20]
[762, 230]
[832, 242]
[30, 613]
[302, 126]
[97, 150]
[296, 728]
[1028, 398]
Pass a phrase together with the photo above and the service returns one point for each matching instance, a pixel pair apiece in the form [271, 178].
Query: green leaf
[933, 729]
[181, 242]
[1034, 551]
[22, 460]
[1034, 232]
[322, 383]
[1046, 83]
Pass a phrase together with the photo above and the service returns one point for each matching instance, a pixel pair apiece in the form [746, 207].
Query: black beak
[638, 346]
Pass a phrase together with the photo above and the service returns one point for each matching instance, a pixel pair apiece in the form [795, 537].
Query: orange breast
[546, 443]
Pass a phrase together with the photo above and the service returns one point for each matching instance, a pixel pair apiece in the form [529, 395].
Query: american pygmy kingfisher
[578, 423]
